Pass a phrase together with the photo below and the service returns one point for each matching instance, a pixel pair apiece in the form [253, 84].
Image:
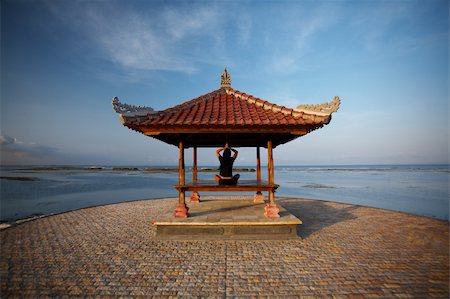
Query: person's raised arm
[235, 153]
[218, 151]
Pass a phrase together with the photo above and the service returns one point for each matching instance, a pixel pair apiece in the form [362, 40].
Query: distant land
[107, 168]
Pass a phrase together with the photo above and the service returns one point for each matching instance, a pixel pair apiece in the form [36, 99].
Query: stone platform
[227, 218]
[343, 251]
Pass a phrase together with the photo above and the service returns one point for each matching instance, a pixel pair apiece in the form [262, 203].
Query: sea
[36, 191]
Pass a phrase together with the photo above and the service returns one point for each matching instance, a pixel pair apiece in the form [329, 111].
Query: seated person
[226, 166]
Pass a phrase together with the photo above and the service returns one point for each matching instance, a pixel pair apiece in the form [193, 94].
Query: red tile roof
[226, 115]
[226, 107]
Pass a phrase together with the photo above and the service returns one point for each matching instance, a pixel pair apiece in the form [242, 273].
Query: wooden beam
[227, 188]
[241, 139]
[219, 130]
[300, 132]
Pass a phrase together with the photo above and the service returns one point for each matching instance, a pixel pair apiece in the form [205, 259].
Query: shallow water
[416, 189]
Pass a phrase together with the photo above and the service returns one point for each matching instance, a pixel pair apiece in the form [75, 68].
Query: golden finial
[225, 79]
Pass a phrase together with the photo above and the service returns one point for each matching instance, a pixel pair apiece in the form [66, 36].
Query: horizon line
[206, 165]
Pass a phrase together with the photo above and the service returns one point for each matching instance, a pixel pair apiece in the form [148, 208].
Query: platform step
[228, 220]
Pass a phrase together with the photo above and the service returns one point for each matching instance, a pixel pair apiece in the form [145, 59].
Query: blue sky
[63, 61]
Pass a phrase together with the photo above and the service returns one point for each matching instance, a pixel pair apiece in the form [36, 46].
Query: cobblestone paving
[342, 251]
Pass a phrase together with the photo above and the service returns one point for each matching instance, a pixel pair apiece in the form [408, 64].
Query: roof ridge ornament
[321, 109]
[125, 109]
[225, 79]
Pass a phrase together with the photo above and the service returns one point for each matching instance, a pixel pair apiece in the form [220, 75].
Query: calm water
[416, 189]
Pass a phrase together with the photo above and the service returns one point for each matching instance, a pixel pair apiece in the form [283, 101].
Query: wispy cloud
[244, 29]
[183, 38]
[141, 40]
[397, 27]
[310, 27]
[287, 64]
[374, 25]
[302, 33]
[186, 36]
[197, 22]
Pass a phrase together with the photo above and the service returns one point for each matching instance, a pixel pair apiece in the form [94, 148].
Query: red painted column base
[181, 211]
[271, 211]
[195, 197]
[258, 198]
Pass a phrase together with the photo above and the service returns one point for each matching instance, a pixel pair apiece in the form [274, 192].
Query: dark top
[226, 166]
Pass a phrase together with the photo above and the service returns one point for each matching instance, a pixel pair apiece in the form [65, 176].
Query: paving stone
[342, 251]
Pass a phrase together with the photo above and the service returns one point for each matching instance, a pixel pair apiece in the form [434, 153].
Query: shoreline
[243, 168]
[29, 192]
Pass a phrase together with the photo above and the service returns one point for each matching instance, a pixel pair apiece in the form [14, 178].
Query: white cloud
[5, 139]
[14, 151]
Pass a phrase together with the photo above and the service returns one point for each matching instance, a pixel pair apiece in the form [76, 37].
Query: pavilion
[226, 115]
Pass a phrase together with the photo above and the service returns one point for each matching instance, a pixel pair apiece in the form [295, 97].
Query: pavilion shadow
[219, 210]
[316, 215]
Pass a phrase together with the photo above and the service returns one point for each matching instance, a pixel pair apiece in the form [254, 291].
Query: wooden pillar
[270, 162]
[258, 164]
[194, 165]
[181, 178]
[181, 209]
[259, 197]
[271, 210]
[195, 197]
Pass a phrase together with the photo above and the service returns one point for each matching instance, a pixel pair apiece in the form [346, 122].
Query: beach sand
[342, 250]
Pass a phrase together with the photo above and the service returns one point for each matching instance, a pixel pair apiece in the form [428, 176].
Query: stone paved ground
[343, 251]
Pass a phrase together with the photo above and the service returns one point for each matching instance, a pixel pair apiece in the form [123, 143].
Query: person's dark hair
[227, 153]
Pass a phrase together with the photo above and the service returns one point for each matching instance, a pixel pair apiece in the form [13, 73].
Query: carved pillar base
[258, 198]
[195, 197]
[271, 211]
[181, 211]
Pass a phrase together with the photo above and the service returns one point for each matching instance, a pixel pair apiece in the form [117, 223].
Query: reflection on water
[422, 190]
